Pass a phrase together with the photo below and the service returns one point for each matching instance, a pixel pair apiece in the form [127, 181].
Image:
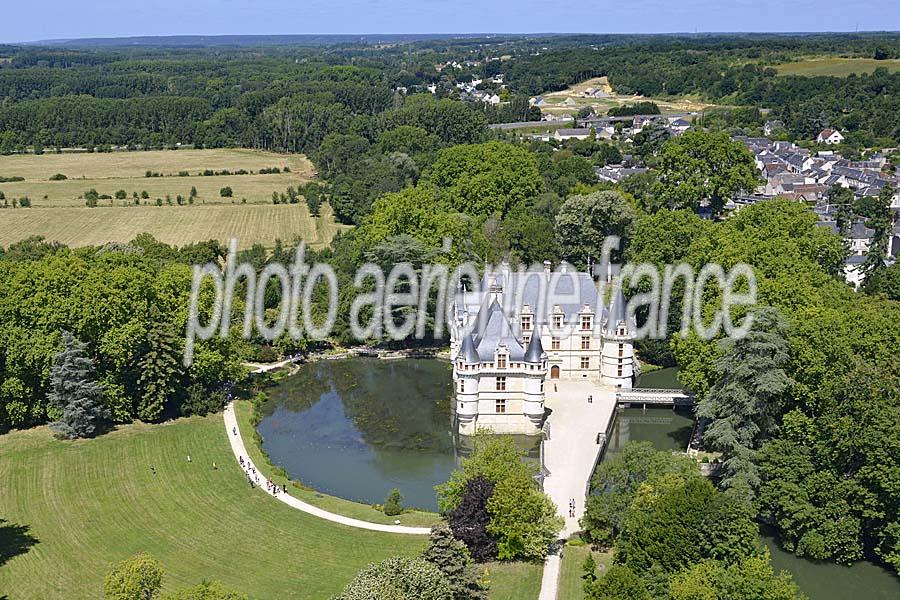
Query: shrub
[226, 192]
[393, 505]
[58, 177]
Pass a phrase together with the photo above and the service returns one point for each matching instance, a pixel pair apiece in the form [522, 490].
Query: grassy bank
[88, 504]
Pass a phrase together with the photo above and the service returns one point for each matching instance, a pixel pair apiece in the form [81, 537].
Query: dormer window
[585, 322]
[557, 321]
[526, 322]
[501, 361]
[621, 330]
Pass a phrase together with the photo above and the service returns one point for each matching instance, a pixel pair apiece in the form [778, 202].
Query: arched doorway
[554, 372]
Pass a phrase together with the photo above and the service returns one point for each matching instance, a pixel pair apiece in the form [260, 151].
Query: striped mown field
[90, 503]
[177, 225]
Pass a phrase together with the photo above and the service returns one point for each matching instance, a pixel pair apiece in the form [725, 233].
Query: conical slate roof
[467, 351]
[535, 351]
[616, 311]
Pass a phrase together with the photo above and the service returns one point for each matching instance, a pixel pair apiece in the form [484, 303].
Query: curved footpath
[237, 446]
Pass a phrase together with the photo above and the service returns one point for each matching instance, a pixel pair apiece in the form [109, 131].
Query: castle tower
[533, 384]
[617, 358]
[466, 370]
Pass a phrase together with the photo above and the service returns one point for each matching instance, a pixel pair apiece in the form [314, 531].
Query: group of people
[253, 478]
[572, 507]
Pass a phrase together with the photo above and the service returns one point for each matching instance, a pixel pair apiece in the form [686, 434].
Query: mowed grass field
[59, 213]
[177, 225]
[835, 66]
[90, 503]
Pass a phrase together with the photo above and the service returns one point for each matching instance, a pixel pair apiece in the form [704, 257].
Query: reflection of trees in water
[403, 404]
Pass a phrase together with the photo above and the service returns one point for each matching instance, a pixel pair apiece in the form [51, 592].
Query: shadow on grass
[14, 540]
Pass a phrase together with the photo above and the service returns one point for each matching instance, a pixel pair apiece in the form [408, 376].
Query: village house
[829, 136]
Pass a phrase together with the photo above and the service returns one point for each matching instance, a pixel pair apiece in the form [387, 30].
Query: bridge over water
[654, 397]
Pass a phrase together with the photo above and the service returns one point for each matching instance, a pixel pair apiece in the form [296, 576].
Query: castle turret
[617, 358]
[533, 384]
[465, 374]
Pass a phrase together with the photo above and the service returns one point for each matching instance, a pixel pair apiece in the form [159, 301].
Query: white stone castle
[520, 331]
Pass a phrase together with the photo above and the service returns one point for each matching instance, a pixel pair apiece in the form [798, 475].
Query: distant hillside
[199, 41]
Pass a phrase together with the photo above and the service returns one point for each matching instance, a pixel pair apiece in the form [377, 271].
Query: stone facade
[519, 332]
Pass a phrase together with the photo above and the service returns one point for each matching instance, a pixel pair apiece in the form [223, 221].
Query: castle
[521, 329]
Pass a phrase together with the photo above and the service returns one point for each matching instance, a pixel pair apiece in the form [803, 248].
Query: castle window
[501, 361]
[526, 339]
[526, 323]
[585, 342]
[500, 406]
[620, 370]
[585, 362]
[542, 386]
[621, 349]
[557, 321]
[501, 384]
[462, 386]
[585, 322]
[621, 331]
[554, 343]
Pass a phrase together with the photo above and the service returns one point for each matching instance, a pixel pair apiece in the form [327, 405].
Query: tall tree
[470, 518]
[879, 221]
[746, 400]
[700, 166]
[584, 221]
[160, 368]
[451, 556]
[75, 395]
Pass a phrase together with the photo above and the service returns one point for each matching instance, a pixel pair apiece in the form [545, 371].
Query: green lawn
[570, 576]
[69, 510]
[515, 581]
[92, 503]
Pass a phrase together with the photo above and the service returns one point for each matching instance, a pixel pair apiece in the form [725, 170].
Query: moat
[357, 428]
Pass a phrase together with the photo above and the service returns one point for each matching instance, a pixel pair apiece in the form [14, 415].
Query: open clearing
[570, 100]
[571, 576]
[175, 225]
[91, 503]
[835, 66]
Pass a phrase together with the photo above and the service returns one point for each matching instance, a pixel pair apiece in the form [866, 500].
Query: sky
[23, 20]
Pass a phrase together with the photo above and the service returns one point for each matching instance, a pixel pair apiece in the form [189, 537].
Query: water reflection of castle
[501, 333]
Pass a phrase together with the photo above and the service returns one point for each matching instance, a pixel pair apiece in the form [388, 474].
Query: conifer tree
[743, 404]
[453, 559]
[75, 395]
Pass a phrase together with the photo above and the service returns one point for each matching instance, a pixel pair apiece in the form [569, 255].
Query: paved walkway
[550, 579]
[237, 446]
[571, 451]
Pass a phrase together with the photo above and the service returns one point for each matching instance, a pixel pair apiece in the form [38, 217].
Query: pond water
[665, 378]
[357, 428]
[669, 430]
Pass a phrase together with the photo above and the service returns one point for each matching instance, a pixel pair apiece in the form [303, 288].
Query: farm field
[175, 225]
[835, 66]
[110, 172]
[58, 210]
[570, 100]
[90, 503]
